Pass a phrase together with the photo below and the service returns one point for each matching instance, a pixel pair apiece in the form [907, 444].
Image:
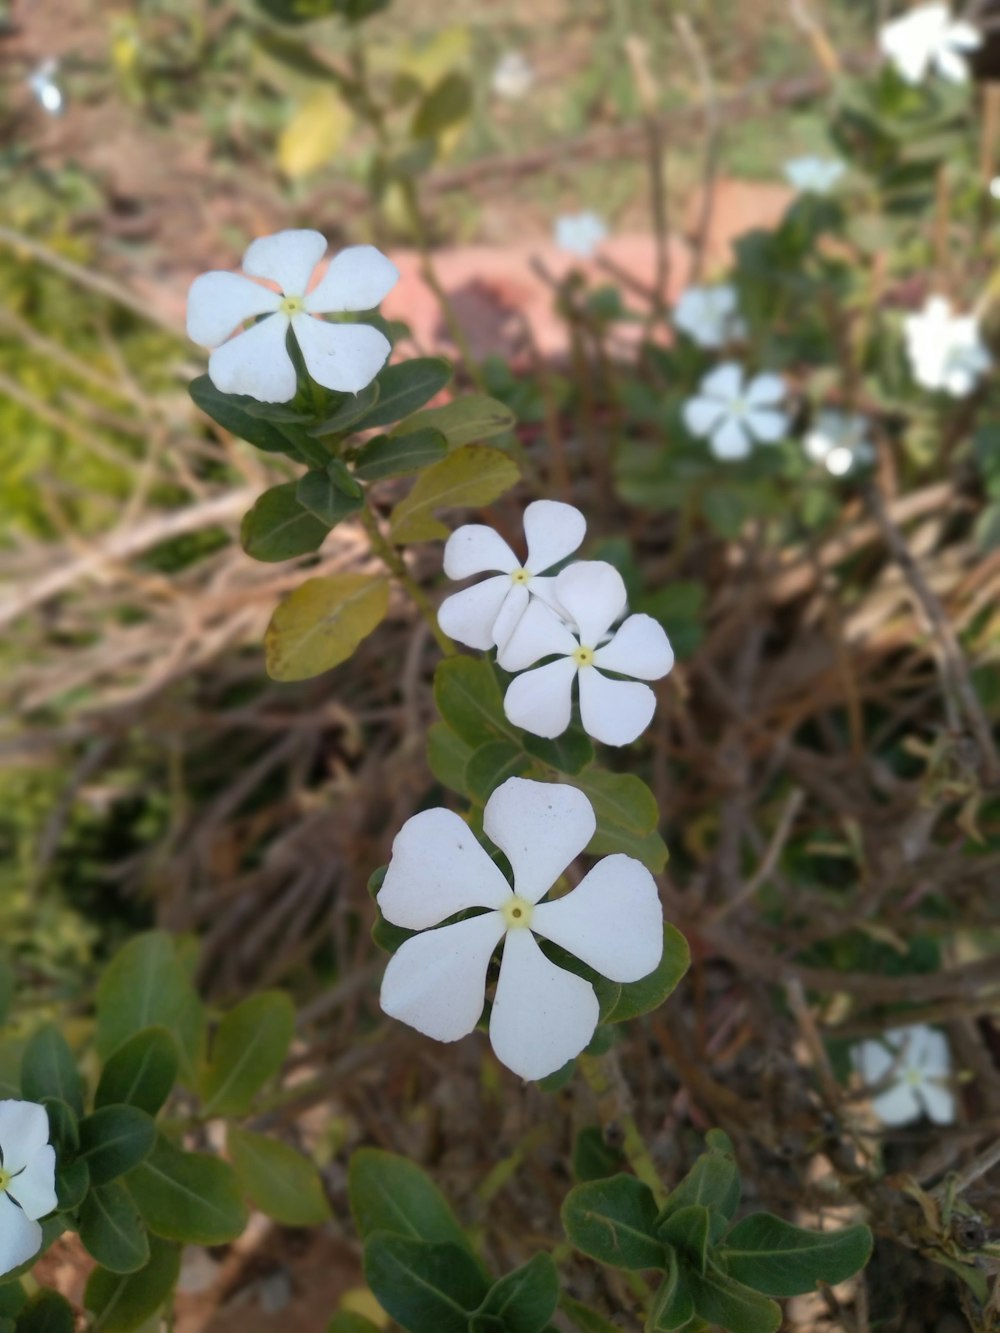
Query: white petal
[730, 440]
[437, 869]
[763, 390]
[357, 279]
[474, 548]
[545, 590]
[436, 981]
[20, 1237]
[539, 633]
[964, 35]
[614, 711]
[24, 1131]
[872, 1060]
[898, 1105]
[952, 65]
[640, 648]
[256, 363]
[768, 426]
[218, 303]
[469, 615]
[509, 616]
[541, 701]
[933, 1051]
[540, 827]
[34, 1186]
[342, 357]
[287, 258]
[612, 920]
[725, 382]
[702, 415]
[553, 531]
[542, 1015]
[939, 1102]
[592, 592]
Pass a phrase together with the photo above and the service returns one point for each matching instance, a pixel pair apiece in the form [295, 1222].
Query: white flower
[591, 594]
[839, 440]
[27, 1180]
[732, 413]
[916, 1063]
[814, 175]
[42, 82]
[580, 233]
[485, 615]
[945, 350]
[344, 357]
[929, 37]
[542, 1015]
[512, 76]
[709, 315]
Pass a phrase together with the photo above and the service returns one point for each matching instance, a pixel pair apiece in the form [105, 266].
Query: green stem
[602, 1076]
[394, 562]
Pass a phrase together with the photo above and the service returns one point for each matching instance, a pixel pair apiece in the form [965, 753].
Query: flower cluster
[27, 1181]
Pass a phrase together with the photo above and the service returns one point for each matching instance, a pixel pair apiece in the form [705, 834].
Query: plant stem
[604, 1078]
[394, 562]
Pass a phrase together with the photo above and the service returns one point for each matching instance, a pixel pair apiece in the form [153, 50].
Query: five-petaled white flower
[512, 76]
[27, 1180]
[485, 615]
[343, 357]
[732, 412]
[709, 315]
[542, 1015]
[814, 175]
[580, 233]
[929, 37]
[946, 352]
[839, 440]
[915, 1064]
[591, 596]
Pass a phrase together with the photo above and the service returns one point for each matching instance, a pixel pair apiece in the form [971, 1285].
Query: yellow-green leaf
[320, 624]
[314, 135]
[472, 476]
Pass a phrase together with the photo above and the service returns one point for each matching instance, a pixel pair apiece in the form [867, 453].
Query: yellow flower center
[914, 1077]
[517, 912]
[521, 576]
[5, 1179]
[292, 306]
[584, 656]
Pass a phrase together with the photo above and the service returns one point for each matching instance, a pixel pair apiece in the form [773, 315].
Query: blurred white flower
[542, 1015]
[946, 352]
[27, 1180]
[42, 82]
[995, 188]
[732, 412]
[709, 315]
[343, 357]
[591, 595]
[580, 233]
[814, 175]
[485, 614]
[839, 440]
[915, 1062]
[513, 75]
[929, 37]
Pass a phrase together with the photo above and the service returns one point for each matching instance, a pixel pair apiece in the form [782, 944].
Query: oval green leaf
[188, 1196]
[278, 1179]
[472, 476]
[320, 624]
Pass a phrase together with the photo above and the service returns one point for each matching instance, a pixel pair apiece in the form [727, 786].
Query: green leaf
[569, 753]
[524, 1301]
[389, 1193]
[472, 476]
[492, 764]
[64, 1128]
[49, 1070]
[468, 698]
[672, 1306]
[687, 1231]
[650, 848]
[593, 1158]
[614, 1221]
[466, 420]
[448, 757]
[72, 1184]
[396, 456]
[147, 985]
[620, 800]
[46, 1312]
[447, 103]
[780, 1259]
[111, 1229]
[585, 1320]
[188, 1196]
[12, 1297]
[141, 1072]
[427, 1286]
[113, 1140]
[241, 416]
[315, 134]
[249, 1048]
[321, 624]
[121, 1303]
[318, 493]
[721, 1300]
[6, 989]
[279, 527]
[648, 993]
[278, 1179]
[405, 387]
[713, 1181]
[350, 411]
